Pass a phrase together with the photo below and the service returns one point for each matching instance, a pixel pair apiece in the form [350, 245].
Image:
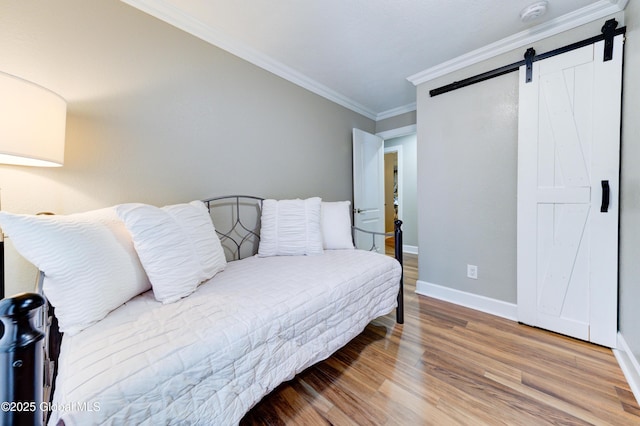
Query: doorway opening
[392, 185]
[390, 189]
[403, 205]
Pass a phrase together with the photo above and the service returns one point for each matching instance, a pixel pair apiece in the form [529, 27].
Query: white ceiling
[362, 53]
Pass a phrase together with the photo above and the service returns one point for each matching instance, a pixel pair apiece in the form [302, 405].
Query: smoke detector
[533, 11]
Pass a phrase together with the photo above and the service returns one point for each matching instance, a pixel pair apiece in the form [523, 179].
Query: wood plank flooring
[448, 365]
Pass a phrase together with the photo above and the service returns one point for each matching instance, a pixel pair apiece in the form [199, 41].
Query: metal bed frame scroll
[237, 219]
[29, 335]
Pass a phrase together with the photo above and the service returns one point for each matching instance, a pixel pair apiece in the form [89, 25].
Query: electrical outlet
[472, 272]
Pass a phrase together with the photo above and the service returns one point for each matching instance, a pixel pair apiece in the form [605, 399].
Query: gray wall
[629, 315]
[396, 122]
[466, 180]
[467, 170]
[156, 115]
[408, 186]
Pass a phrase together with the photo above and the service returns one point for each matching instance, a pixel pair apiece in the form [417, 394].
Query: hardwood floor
[451, 365]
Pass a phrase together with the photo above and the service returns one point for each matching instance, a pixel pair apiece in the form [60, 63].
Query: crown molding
[396, 111]
[399, 132]
[173, 15]
[170, 14]
[555, 26]
[620, 3]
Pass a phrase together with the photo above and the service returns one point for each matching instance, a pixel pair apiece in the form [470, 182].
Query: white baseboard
[628, 362]
[629, 365]
[410, 249]
[469, 300]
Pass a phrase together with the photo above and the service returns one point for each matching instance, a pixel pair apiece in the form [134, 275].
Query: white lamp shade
[32, 124]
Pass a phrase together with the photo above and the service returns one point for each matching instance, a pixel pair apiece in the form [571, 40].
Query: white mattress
[210, 357]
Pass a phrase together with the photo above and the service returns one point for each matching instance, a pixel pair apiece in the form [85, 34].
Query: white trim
[469, 300]
[620, 3]
[398, 150]
[396, 133]
[410, 249]
[167, 12]
[582, 16]
[173, 15]
[400, 131]
[397, 111]
[629, 365]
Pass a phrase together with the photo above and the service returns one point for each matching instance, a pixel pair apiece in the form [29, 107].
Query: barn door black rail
[609, 31]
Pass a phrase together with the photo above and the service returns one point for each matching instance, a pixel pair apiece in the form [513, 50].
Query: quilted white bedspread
[210, 357]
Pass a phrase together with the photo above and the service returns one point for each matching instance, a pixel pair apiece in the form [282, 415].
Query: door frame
[398, 150]
[411, 129]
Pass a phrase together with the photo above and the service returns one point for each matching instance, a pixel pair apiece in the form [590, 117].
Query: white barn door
[568, 184]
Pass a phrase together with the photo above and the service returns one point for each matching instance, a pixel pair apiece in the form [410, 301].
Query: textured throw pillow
[88, 259]
[335, 220]
[177, 245]
[195, 221]
[290, 228]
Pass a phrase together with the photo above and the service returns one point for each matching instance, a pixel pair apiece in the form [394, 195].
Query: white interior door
[568, 145]
[368, 187]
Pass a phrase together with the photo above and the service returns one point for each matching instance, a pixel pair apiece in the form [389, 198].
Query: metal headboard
[377, 238]
[237, 222]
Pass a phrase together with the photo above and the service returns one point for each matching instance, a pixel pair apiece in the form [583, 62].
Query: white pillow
[290, 228]
[177, 245]
[335, 221]
[89, 262]
[195, 221]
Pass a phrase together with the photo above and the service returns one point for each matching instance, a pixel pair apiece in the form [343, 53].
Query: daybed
[208, 355]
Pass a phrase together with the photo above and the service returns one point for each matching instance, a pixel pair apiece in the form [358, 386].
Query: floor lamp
[32, 131]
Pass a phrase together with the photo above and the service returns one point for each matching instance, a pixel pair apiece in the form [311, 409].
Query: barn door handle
[604, 207]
